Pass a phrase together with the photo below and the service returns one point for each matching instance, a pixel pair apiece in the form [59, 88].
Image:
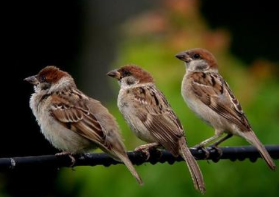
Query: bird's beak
[33, 80]
[114, 74]
[184, 57]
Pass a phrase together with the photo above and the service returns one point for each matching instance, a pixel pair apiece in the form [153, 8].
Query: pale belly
[130, 114]
[63, 138]
[208, 115]
[58, 135]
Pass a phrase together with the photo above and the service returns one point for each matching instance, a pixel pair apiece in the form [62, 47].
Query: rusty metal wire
[137, 158]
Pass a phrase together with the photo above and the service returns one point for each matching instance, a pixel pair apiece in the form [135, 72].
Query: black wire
[137, 158]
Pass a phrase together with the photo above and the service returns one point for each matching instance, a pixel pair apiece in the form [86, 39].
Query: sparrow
[210, 97]
[71, 121]
[151, 118]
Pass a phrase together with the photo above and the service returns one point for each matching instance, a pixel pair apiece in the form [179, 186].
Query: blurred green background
[149, 35]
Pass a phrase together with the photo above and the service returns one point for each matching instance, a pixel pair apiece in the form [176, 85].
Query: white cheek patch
[197, 65]
[128, 82]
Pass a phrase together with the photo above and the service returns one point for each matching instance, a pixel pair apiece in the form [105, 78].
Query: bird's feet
[73, 160]
[200, 148]
[146, 148]
[214, 149]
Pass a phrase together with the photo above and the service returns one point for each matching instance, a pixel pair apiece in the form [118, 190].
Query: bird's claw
[216, 149]
[201, 148]
[144, 150]
[73, 160]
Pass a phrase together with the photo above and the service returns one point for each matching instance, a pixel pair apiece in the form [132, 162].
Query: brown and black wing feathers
[214, 92]
[75, 115]
[158, 117]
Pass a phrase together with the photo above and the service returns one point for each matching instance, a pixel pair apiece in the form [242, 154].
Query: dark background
[61, 32]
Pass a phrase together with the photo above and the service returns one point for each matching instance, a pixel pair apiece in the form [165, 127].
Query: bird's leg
[216, 144]
[73, 160]
[203, 144]
[145, 148]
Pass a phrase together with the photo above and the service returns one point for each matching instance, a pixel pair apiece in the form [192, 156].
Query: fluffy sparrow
[150, 116]
[209, 96]
[72, 121]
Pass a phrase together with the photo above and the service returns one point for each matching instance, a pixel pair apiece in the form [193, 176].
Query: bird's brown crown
[51, 74]
[198, 54]
[137, 72]
[203, 54]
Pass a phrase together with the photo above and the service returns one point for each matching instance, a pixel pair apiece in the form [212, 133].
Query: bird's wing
[158, 117]
[214, 92]
[71, 109]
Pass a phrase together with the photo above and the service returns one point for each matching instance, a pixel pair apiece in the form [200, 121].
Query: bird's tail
[251, 137]
[192, 166]
[125, 159]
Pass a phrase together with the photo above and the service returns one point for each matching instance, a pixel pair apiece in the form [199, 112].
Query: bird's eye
[126, 73]
[197, 56]
[42, 78]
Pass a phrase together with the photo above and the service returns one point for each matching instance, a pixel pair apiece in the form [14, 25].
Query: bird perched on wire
[209, 96]
[150, 116]
[72, 121]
